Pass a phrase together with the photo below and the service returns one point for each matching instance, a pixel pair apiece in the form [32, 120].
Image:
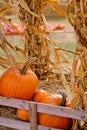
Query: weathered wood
[44, 108]
[20, 125]
[12, 102]
[33, 116]
[61, 111]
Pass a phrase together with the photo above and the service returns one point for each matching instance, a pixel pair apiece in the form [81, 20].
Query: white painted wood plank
[44, 108]
[20, 125]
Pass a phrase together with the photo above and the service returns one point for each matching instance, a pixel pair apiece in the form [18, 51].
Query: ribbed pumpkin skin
[54, 121]
[39, 95]
[51, 120]
[23, 114]
[13, 84]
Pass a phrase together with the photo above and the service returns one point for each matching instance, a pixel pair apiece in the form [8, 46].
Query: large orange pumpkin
[46, 119]
[20, 84]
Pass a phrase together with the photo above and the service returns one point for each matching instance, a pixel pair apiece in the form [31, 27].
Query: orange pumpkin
[20, 84]
[51, 120]
[39, 95]
[46, 119]
[23, 114]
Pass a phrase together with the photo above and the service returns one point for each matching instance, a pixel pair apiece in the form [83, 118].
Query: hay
[9, 113]
[51, 85]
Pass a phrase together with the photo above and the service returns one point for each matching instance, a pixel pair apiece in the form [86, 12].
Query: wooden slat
[49, 109]
[33, 116]
[60, 111]
[16, 103]
[20, 125]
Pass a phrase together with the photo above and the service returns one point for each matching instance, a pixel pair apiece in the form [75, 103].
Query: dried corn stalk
[36, 42]
[79, 22]
[8, 58]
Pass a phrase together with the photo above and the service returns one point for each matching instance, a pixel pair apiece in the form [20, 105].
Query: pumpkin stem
[63, 102]
[26, 65]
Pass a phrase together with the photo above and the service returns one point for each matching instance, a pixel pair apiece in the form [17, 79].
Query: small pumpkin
[20, 84]
[39, 95]
[46, 119]
[23, 114]
[51, 120]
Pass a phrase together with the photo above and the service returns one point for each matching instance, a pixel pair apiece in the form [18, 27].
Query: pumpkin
[51, 120]
[23, 114]
[20, 84]
[46, 119]
[39, 95]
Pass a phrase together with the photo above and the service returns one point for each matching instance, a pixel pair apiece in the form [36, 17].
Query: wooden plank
[44, 108]
[60, 111]
[33, 116]
[20, 125]
[16, 103]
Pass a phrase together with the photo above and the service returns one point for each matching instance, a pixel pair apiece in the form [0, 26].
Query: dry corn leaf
[4, 60]
[20, 51]
[57, 55]
[2, 37]
[3, 11]
[77, 101]
[68, 14]
[55, 7]
[24, 6]
[5, 48]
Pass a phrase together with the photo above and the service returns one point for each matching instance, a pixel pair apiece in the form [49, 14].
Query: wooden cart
[33, 108]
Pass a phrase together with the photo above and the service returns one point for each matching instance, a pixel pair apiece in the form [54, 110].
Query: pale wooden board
[44, 108]
[33, 116]
[20, 125]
